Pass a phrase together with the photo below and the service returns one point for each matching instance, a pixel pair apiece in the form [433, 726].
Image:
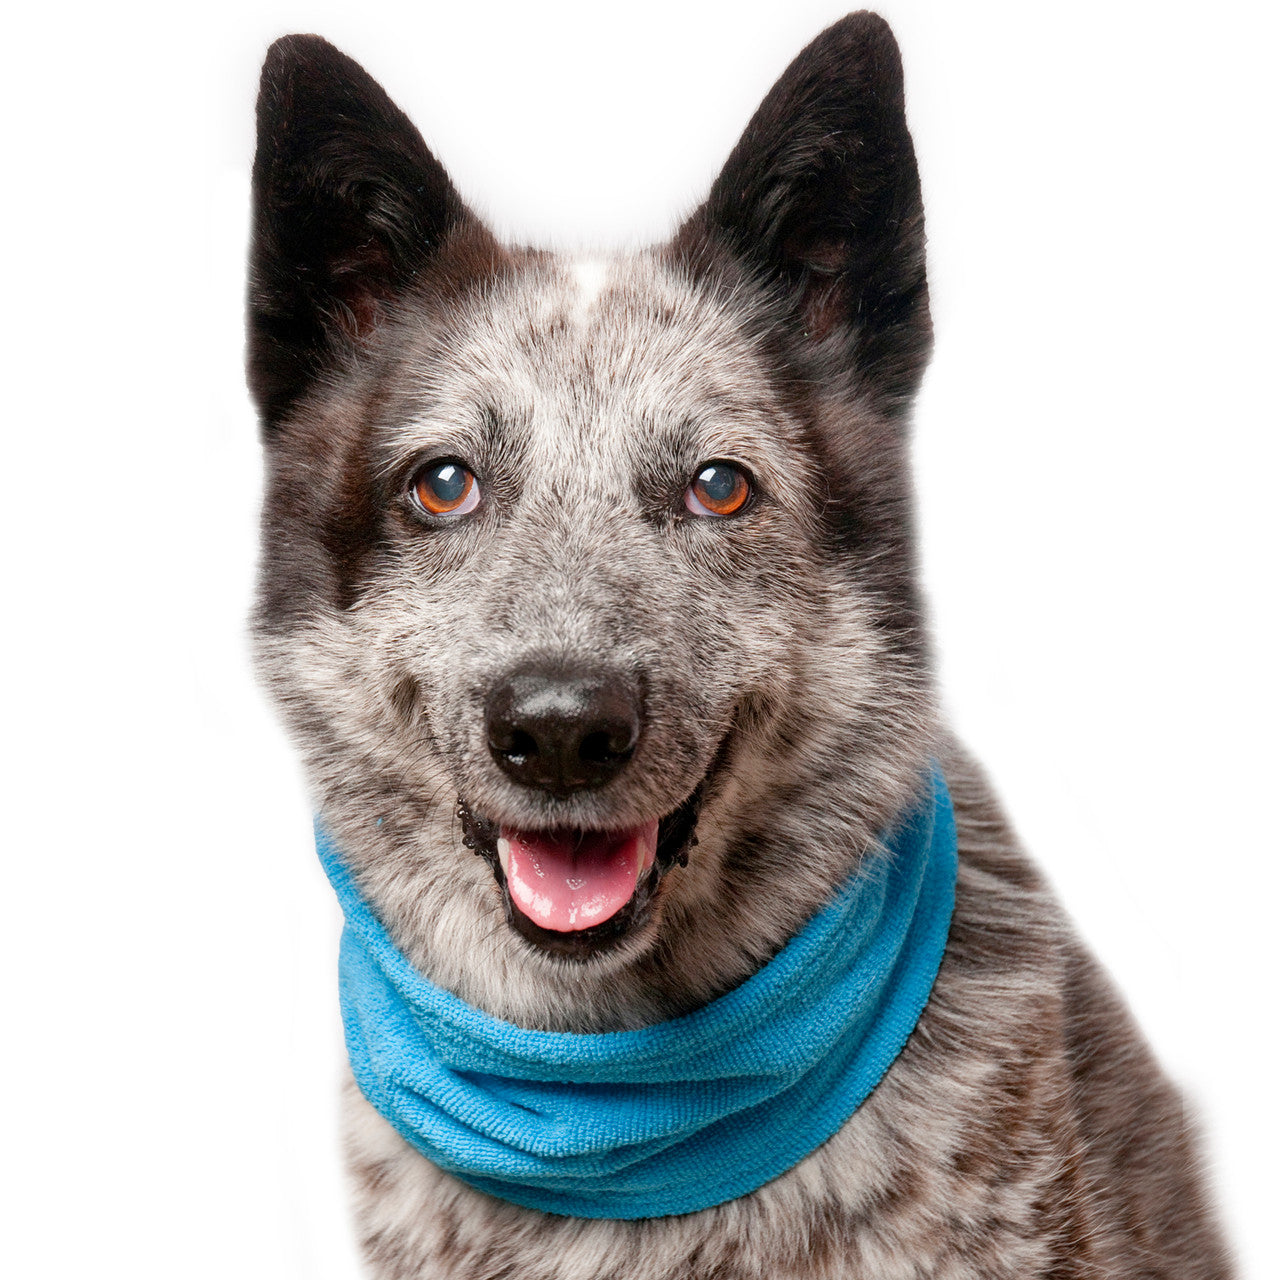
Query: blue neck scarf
[673, 1117]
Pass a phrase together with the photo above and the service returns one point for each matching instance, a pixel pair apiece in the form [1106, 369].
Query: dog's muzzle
[558, 729]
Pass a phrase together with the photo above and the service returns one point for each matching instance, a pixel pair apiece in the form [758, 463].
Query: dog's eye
[445, 489]
[719, 489]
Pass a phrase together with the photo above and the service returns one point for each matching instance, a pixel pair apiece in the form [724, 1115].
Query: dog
[604, 567]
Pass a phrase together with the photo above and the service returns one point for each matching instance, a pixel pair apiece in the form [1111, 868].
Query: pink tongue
[576, 880]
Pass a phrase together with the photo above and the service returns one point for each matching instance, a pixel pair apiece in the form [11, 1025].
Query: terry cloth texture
[673, 1117]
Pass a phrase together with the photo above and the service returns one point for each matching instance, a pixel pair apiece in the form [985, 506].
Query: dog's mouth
[577, 893]
[566, 881]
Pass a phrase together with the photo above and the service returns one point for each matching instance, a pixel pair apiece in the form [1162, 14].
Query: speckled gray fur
[1024, 1131]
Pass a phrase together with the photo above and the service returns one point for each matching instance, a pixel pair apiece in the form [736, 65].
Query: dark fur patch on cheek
[325, 512]
[350, 537]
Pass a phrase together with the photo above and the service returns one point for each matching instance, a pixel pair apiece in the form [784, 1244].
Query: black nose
[562, 729]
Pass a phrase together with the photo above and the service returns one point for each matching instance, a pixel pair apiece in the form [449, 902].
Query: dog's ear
[348, 205]
[821, 200]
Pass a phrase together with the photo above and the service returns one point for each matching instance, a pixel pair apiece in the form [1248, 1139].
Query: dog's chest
[416, 1221]
[912, 1186]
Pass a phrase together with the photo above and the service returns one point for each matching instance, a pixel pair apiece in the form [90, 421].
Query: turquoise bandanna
[673, 1117]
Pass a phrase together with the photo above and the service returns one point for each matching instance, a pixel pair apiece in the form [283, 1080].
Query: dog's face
[598, 569]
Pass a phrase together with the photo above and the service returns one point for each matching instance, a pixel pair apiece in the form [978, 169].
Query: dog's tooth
[504, 852]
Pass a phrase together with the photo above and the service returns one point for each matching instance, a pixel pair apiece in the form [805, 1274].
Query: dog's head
[599, 569]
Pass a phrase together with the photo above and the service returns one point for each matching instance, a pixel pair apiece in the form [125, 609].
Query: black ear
[348, 204]
[821, 198]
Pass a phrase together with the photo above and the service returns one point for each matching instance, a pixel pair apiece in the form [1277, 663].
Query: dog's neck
[677, 1116]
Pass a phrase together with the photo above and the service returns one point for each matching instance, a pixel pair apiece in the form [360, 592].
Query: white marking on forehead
[589, 274]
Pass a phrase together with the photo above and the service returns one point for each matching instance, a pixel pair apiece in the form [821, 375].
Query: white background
[1097, 462]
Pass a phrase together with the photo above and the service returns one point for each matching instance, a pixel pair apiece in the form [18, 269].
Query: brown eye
[719, 489]
[446, 489]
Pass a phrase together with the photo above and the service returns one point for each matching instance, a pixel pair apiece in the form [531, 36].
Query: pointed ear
[821, 200]
[348, 205]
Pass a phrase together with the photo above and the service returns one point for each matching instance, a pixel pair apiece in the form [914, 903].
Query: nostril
[519, 746]
[606, 746]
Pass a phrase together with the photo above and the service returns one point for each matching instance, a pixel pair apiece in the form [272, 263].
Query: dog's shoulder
[1068, 1113]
